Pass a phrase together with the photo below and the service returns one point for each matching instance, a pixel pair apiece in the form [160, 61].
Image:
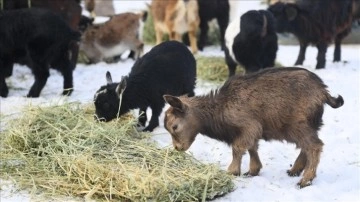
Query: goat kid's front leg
[235, 166]
[321, 57]
[204, 28]
[337, 51]
[154, 120]
[68, 82]
[4, 91]
[158, 35]
[193, 41]
[247, 140]
[255, 163]
[302, 51]
[142, 116]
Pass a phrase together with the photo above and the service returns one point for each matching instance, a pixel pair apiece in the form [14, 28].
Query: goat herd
[275, 103]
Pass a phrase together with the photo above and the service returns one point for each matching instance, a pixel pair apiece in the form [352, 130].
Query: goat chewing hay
[62, 151]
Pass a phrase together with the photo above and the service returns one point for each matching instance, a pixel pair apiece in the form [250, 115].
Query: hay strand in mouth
[61, 151]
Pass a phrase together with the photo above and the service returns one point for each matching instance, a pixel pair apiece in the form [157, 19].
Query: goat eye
[174, 127]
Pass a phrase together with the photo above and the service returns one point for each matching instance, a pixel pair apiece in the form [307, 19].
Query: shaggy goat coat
[276, 103]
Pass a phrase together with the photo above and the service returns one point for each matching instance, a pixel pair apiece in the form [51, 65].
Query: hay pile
[214, 69]
[61, 151]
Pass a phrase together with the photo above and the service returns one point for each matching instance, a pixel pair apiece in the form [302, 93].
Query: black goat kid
[169, 68]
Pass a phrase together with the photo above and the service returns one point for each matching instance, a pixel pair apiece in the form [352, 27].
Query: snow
[338, 174]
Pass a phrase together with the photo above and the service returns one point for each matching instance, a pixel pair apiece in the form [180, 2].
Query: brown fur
[175, 17]
[121, 30]
[274, 104]
[90, 6]
[100, 7]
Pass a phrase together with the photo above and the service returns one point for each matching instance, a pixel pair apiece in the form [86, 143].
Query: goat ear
[122, 85]
[108, 78]
[291, 12]
[175, 102]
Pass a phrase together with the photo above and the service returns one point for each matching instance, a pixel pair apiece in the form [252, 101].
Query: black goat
[213, 9]
[315, 22]
[251, 40]
[85, 22]
[169, 68]
[39, 39]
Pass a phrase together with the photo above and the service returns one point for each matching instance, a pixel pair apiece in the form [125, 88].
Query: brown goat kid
[120, 33]
[175, 17]
[273, 104]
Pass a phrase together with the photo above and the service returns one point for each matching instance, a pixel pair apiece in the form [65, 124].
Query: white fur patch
[115, 50]
[100, 92]
[231, 31]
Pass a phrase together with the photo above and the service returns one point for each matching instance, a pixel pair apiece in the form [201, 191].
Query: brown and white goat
[175, 17]
[99, 7]
[120, 33]
[273, 104]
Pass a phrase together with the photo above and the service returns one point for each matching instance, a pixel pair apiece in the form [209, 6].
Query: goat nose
[178, 147]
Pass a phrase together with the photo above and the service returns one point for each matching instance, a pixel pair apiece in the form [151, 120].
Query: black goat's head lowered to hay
[107, 99]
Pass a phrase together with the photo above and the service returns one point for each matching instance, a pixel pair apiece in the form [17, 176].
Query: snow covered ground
[338, 174]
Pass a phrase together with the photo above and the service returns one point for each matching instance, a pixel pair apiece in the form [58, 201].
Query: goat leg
[204, 28]
[40, 81]
[154, 121]
[301, 56]
[321, 57]
[298, 166]
[4, 91]
[235, 166]
[255, 163]
[68, 82]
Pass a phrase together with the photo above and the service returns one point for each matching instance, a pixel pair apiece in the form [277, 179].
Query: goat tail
[334, 102]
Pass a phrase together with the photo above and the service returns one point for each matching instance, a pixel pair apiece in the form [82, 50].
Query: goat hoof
[303, 184]
[293, 174]
[249, 174]
[4, 93]
[320, 67]
[67, 92]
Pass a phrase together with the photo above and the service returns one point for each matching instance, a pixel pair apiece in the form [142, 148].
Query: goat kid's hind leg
[312, 151]
[41, 76]
[255, 163]
[299, 165]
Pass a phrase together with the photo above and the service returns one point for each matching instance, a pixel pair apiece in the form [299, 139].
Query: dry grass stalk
[213, 69]
[60, 150]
